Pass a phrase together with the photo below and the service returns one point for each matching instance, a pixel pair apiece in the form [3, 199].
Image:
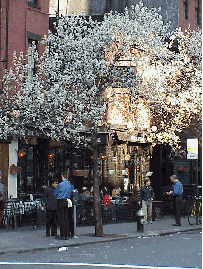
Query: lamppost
[102, 160]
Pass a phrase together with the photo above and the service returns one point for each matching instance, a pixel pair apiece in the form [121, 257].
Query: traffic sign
[192, 149]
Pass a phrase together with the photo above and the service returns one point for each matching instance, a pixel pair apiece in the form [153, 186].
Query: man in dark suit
[51, 208]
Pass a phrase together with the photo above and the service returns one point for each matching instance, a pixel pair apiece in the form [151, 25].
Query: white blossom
[68, 93]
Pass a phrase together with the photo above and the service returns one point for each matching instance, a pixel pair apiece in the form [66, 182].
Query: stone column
[12, 178]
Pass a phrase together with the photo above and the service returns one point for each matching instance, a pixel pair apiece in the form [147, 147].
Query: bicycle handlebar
[195, 197]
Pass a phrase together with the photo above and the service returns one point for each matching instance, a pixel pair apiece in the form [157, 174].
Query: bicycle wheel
[192, 216]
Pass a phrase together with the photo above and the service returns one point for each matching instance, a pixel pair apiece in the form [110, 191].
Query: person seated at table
[106, 203]
[50, 200]
[134, 197]
[116, 195]
[106, 200]
[83, 197]
[86, 206]
[133, 201]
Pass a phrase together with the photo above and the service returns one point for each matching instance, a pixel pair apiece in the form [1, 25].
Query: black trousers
[63, 217]
[71, 222]
[51, 221]
[177, 201]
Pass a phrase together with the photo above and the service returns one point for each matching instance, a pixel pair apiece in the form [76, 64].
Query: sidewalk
[27, 239]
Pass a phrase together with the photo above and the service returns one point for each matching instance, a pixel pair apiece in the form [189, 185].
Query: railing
[18, 212]
[114, 213]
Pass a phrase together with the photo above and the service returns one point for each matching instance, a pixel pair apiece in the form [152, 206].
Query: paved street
[25, 238]
[182, 249]
[161, 244]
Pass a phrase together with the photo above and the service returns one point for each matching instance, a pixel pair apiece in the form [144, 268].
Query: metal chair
[9, 215]
[30, 211]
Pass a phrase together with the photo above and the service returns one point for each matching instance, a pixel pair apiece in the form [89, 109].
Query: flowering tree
[176, 104]
[65, 97]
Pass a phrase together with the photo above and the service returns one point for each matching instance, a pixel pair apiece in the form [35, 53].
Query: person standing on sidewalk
[177, 198]
[51, 208]
[70, 212]
[63, 192]
[146, 197]
[2, 199]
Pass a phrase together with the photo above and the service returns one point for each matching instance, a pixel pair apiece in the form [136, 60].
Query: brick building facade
[21, 23]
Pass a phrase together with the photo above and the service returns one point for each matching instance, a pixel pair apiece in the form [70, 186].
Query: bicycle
[192, 211]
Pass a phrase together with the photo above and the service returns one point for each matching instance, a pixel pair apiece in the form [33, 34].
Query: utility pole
[6, 52]
[58, 8]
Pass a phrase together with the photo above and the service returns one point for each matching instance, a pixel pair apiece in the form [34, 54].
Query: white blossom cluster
[66, 98]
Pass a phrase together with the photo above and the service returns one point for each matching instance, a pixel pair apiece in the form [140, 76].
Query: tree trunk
[96, 192]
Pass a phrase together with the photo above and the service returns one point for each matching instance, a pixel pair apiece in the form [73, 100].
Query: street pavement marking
[99, 265]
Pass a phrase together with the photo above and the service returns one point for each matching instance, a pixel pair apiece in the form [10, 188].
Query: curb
[119, 238]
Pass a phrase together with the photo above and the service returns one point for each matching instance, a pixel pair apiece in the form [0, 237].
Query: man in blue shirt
[63, 192]
[177, 198]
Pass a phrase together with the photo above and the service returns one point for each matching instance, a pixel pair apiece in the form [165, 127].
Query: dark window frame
[33, 3]
[197, 14]
[118, 5]
[33, 38]
[108, 6]
[185, 9]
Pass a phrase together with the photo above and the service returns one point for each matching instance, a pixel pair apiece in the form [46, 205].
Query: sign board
[80, 173]
[192, 149]
[14, 169]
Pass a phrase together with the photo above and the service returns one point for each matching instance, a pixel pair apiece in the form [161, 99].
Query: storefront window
[30, 170]
[40, 163]
[59, 163]
[22, 164]
[59, 160]
[25, 158]
[51, 164]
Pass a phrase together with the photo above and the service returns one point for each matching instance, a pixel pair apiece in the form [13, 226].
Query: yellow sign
[192, 149]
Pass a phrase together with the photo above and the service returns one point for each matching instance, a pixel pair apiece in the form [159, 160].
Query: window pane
[185, 9]
[30, 169]
[33, 1]
[22, 176]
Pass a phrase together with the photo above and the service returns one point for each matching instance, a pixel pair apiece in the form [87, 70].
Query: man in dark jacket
[51, 208]
[146, 198]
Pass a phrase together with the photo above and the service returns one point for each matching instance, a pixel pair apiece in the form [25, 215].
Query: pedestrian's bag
[70, 204]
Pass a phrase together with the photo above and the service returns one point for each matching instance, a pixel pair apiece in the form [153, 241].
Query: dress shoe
[61, 238]
[54, 234]
[176, 224]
